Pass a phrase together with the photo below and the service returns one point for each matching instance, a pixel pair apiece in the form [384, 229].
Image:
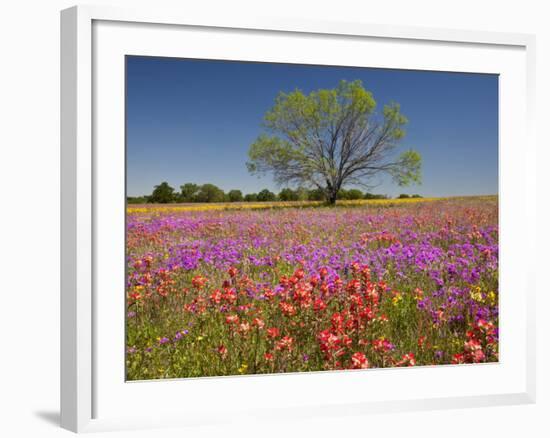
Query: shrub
[251, 197]
[137, 199]
[316, 195]
[266, 196]
[188, 192]
[210, 193]
[235, 196]
[374, 196]
[163, 194]
[353, 194]
[288, 195]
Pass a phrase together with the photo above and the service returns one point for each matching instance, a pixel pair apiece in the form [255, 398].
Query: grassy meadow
[248, 288]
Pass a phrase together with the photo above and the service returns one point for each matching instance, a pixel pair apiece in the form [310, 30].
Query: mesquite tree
[332, 138]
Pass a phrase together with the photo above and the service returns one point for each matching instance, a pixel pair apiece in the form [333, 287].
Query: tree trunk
[331, 192]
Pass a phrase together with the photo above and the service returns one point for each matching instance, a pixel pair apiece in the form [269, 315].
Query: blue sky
[194, 120]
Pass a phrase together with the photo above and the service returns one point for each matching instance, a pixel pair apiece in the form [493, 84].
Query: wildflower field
[221, 290]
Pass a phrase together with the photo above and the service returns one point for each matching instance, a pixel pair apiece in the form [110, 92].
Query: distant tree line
[206, 193]
[404, 196]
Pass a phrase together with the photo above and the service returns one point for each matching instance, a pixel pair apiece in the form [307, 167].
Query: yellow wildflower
[397, 298]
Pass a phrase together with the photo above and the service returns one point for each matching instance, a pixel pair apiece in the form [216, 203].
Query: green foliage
[394, 120]
[332, 137]
[188, 192]
[342, 194]
[408, 170]
[403, 196]
[163, 193]
[235, 196]
[210, 193]
[375, 196]
[137, 199]
[302, 193]
[191, 192]
[354, 194]
[266, 196]
[270, 152]
[316, 195]
[351, 194]
[288, 195]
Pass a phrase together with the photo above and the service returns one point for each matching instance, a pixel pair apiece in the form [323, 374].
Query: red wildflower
[474, 351]
[244, 327]
[285, 343]
[232, 271]
[328, 341]
[268, 294]
[359, 361]
[199, 281]
[273, 332]
[216, 296]
[287, 308]
[313, 281]
[230, 296]
[232, 319]
[407, 360]
[337, 321]
[458, 358]
[353, 286]
[222, 351]
[258, 323]
[319, 305]
[302, 295]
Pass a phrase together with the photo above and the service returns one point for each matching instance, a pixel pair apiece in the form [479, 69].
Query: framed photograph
[343, 212]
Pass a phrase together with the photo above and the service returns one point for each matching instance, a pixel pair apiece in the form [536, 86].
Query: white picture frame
[93, 38]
